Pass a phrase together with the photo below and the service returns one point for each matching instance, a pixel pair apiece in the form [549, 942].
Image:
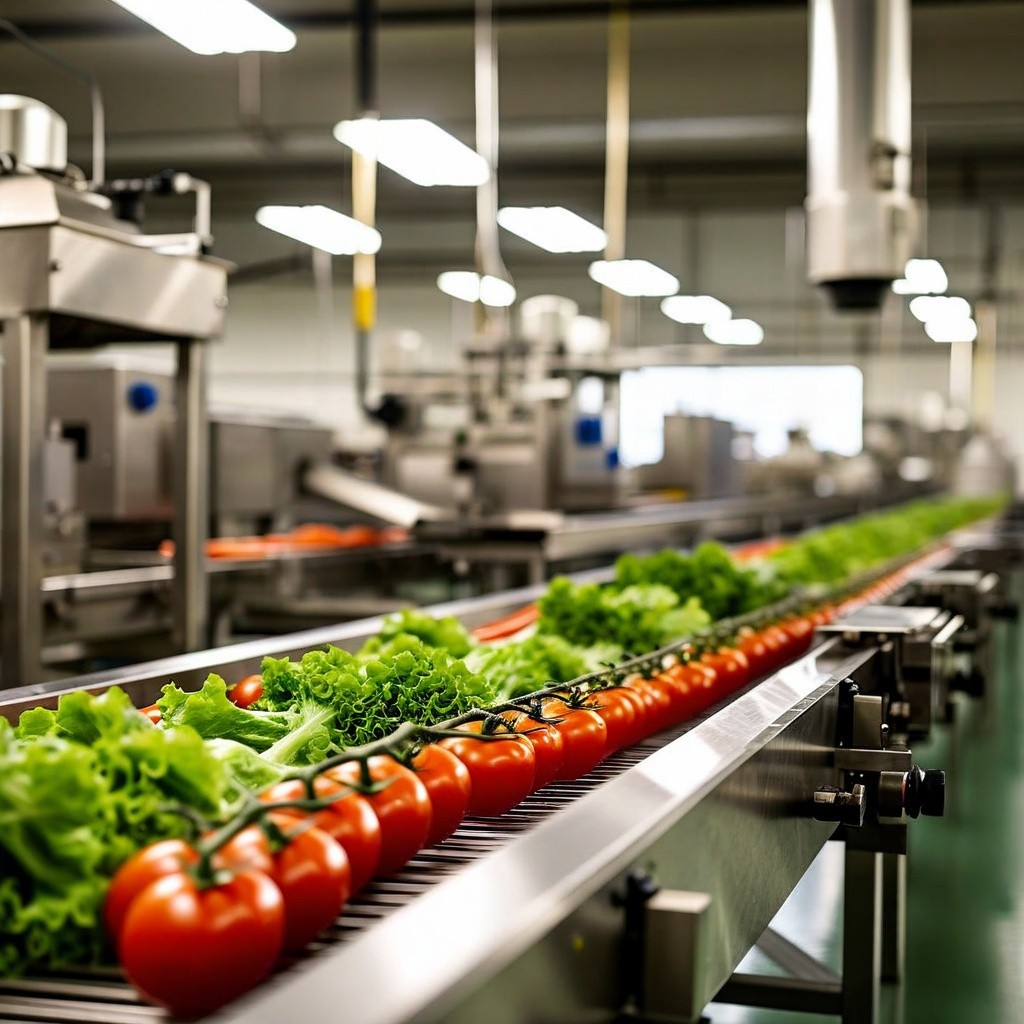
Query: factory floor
[965, 902]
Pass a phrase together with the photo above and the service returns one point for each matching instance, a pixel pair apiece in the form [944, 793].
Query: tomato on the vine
[448, 785]
[248, 849]
[501, 770]
[312, 872]
[350, 821]
[777, 643]
[548, 748]
[618, 710]
[193, 949]
[402, 808]
[138, 872]
[822, 616]
[731, 668]
[800, 630]
[758, 655]
[657, 705]
[584, 738]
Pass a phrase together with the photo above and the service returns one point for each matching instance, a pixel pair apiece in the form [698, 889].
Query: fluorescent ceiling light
[322, 228]
[940, 307]
[553, 228]
[416, 149]
[469, 286]
[635, 278]
[950, 331]
[214, 26]
[734, 332]
[695, 309]
[921, 277]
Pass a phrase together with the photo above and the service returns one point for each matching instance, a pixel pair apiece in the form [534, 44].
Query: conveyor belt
[102, 995]
[722, 803]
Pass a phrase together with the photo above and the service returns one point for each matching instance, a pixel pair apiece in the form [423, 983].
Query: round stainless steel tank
[33, 133]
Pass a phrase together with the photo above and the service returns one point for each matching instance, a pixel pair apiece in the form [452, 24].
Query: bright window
[827, 401]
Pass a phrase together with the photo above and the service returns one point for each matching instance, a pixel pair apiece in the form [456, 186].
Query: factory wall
[288, 350]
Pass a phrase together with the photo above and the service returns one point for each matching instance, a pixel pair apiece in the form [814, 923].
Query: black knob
[925, 793]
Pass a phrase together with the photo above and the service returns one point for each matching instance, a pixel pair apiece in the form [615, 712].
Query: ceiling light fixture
[951, 331]
[935, 307]
[214, 26]
[469, 286]
[633, 278]
[921, 277]
[734, 332]
[553, 228]
[695, 309]
[322, 228]
[416, 149]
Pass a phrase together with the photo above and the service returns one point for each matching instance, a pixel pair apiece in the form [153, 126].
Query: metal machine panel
[258, 463]
[92, 275]
[122, 442]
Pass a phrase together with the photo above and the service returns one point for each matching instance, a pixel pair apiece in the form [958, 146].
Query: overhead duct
[861, 219]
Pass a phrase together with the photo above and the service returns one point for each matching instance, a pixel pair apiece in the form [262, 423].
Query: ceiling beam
[441, 14]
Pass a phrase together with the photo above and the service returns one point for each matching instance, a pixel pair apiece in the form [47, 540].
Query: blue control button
[588, 431]
[143, 396]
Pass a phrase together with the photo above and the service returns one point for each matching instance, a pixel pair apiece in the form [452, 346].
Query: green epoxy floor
[965, 906]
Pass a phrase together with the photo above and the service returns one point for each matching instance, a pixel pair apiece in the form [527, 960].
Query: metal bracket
[675, 958]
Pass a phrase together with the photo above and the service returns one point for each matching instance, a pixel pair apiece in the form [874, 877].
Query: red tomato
[731, 669]
[548, 749]
[584, 738]
[402, 808]
[683, 691]
[657, 705]
[140, 871]
[822, 616]
[247, 691]
[800, 630]
[350, 821]
[152, 713]
[248, 850]
[758, 654]
[639, 729]
[703, 683]
[777, 643]
[313, 875]
[619, 713]
[502, 770]
[448, 786]
[193, 950]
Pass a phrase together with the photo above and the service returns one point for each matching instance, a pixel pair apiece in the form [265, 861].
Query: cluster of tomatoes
[179, 914]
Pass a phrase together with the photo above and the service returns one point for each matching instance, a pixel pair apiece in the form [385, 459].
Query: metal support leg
[862, 937]
[191, 484]
[25, 341]
[894, 916]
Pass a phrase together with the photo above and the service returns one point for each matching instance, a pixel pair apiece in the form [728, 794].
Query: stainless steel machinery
[861, 219]
[630, 894]
[77, 275]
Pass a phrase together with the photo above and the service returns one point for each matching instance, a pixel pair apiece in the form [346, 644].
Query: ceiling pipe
[616, 180]
[364, 198]
[493, 321]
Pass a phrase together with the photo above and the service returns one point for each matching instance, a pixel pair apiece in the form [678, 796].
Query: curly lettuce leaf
[447, 633]
[81, 789]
